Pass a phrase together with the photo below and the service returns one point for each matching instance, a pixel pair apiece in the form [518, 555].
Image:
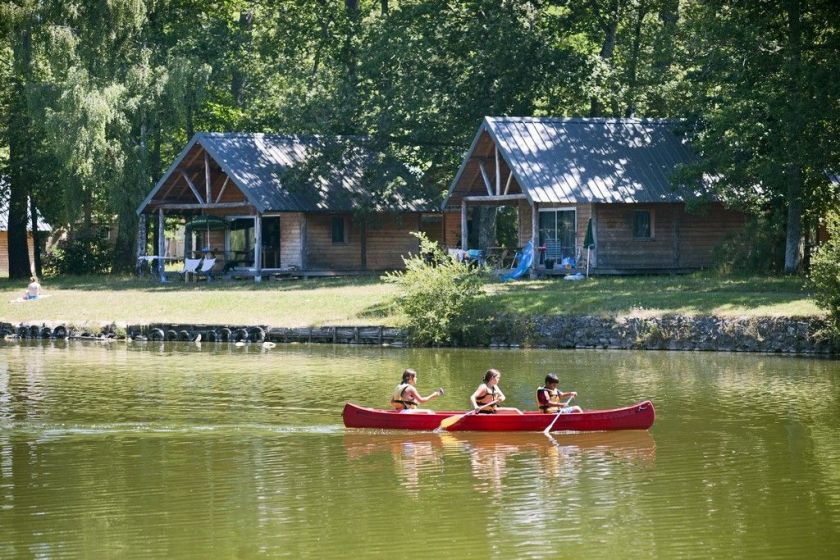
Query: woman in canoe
[406, 398]
[488, 396]
[550, 398]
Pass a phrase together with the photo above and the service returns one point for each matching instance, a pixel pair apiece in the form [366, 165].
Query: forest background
[98, 96]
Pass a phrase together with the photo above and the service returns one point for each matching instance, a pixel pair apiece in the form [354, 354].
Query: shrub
[759, 248]
[825, 272]
[442, 298]
[85, 253]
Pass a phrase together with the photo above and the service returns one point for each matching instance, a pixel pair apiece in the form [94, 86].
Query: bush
[80, 254]
[825, 272]
[442, 299]
[759, 248]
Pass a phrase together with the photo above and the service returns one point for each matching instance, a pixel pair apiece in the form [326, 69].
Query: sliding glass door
[557, 232]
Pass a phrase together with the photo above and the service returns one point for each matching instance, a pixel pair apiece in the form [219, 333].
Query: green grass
[695, 294]
[368, 300]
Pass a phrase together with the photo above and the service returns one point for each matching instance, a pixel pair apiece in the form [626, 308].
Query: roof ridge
[582, 120]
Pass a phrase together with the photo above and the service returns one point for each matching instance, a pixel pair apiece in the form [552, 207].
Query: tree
[763, 105]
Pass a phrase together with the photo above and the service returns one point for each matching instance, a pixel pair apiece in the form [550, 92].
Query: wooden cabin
[43, 227]
[263, 204]
[610, 178]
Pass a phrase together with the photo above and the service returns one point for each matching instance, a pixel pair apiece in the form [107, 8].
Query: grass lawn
[367, 300]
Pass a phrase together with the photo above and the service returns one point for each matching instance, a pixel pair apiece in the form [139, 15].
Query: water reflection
[558, 457]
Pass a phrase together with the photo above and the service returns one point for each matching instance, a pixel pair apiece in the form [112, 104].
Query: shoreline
[777, 335]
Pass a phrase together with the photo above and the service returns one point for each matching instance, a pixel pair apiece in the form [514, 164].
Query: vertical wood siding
[679, 239]
[4, 252]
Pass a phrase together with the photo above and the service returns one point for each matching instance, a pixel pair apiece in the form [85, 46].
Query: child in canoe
[488, 396]
[550, 398]
[406, 398]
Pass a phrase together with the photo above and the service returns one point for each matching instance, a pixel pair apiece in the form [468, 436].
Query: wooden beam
[192, 187]
[484, 176]
[207, 177]
[498, 173]
[493, 198]
[303, 241]
[507, 184]
[161, 246]
[187, 206]
[218, 198]
[535, 237]
[463, 224]
[195, 157]
[258, 247]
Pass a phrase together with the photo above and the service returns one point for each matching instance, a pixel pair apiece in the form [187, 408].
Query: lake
[214, 451]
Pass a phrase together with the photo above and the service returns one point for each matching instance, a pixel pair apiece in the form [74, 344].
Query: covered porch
[252, 203]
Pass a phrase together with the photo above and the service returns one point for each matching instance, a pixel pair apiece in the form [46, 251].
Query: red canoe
[640, 416]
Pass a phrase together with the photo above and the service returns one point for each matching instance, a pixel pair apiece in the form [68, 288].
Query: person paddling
[406, 398]
[550, 398]
[488, 396]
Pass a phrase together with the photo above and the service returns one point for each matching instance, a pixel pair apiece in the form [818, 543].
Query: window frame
[651, 232]
[338, 220]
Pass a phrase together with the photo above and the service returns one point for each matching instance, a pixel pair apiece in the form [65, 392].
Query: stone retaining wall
[754, 334]
[758, 334]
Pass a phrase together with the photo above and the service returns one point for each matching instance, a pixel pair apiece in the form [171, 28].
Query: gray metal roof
[4, 217]
[292, 173]
[573, 160]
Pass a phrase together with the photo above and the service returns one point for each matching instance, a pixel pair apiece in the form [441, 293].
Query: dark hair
[551, 378]
[408, 374]
[490, 374]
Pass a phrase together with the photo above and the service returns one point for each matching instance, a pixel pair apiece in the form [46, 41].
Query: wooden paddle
[556, 416]
[450, 421]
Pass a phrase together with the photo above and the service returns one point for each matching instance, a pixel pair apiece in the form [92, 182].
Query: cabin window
[642, 224]
[557, 233]
[338, 230]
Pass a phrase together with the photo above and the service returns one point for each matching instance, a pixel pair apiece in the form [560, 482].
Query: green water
[168, 451]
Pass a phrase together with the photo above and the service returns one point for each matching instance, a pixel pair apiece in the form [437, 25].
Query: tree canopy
[97, 96]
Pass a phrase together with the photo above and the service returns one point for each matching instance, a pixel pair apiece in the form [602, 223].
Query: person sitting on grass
[33, 290]
[406, 398]
[550, 398]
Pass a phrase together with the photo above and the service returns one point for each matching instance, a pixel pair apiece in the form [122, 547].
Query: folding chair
[190, 267]
[207, 268]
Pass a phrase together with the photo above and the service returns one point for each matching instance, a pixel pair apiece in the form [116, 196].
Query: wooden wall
[387, 241]
[291, 236]
[680, 240]
[4, 252]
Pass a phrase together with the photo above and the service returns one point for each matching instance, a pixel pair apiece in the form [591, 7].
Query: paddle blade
[450, 421]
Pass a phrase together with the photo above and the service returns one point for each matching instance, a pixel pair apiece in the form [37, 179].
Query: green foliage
[442, 298]
[825, 272]
[84, 253]
[757, 249]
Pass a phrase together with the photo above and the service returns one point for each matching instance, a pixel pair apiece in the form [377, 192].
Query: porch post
[303, 264]
[141, 242]
[534, 238]
[161, 247]
[463, 225]
[258, 247]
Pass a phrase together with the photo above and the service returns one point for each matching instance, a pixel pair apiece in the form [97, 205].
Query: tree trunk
[20, 154]
[632, 70]
[669, 13]
[793, 232]
[238, 80]
[36, 237]
[484, 218]
[610, 28]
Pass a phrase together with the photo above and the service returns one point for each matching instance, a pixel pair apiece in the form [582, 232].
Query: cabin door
[557, 232]
[271, 242]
